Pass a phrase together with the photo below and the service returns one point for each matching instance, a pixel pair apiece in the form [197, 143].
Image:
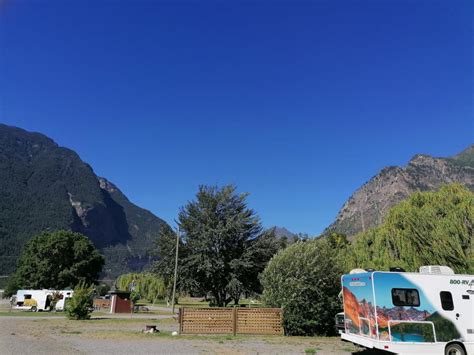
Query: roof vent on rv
[357, 271]
[436, 270]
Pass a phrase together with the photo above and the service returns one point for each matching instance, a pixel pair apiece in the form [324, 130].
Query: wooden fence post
[281, 322]
[234, 320]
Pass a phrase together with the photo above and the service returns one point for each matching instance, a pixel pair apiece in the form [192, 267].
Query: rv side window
[446, 300]
[27, 297]
[405, 297]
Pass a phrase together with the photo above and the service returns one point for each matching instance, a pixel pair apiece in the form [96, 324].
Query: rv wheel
[33, 309]
[454, 349]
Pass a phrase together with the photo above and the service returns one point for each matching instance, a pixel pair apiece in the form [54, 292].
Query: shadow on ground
[372, 352]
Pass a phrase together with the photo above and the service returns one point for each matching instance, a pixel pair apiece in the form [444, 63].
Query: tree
[79, 307]
[57, 260]
[223, 248]
[147, 285]
[164, 267]
[304, 279]
[428, 228]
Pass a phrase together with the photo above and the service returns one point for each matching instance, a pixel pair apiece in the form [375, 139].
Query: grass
[109, 321]
[310, 351]
[18, 313]
[31, 314]
[70, 332]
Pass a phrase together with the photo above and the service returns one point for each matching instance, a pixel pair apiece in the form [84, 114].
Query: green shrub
[80, 305]
[304, 280]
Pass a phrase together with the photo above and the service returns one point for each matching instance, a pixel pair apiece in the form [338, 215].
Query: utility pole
[175, 268]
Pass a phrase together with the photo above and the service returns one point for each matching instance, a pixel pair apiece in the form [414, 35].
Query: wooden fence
[231, 321]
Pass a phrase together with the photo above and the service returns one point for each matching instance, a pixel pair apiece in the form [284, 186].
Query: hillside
[45, 187]
[368, 206]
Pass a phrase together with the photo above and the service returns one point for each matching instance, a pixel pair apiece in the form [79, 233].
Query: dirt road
[56, 335]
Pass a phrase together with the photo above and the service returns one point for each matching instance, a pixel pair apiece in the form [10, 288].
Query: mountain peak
[369, 204]
[466, 157]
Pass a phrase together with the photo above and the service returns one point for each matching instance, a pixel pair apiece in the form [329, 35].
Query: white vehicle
[430, 312]
[40, 300]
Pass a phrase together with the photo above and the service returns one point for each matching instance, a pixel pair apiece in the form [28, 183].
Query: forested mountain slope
[44, 187]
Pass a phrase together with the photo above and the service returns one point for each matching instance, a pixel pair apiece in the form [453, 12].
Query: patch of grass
[70, 332]
[111, 320]
[156, 312]
[215, 337]
[310, 351]
[31, 314]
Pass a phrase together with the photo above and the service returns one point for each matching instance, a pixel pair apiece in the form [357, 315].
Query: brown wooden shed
[120, 302]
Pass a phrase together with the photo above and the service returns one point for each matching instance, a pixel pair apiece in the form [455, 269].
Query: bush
[304, 280]
[80, 305]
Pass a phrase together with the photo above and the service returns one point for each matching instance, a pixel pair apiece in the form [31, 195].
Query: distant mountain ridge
[46, 187]
[284, 233]
[281, 232]
[369, 204]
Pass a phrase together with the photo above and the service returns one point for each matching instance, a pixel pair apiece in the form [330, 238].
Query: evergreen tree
[223, 247]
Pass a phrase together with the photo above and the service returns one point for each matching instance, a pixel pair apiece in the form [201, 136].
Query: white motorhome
[40, 300]
[429, 312]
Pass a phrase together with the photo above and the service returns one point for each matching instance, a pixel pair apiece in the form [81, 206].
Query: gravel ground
[55, 335]
[38, 333]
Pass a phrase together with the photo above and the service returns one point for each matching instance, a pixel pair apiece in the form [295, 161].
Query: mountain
[285, 234]
[46, 187]
[282, 232]
[367, 207]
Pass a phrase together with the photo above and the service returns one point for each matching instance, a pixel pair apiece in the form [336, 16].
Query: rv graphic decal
[417, 322]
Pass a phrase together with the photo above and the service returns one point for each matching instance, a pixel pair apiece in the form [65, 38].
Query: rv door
[468, 305]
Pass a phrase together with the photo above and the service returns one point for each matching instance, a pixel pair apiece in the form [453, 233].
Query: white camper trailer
[40, 300]
[430, 312]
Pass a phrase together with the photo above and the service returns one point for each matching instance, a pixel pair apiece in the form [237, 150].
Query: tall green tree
[57, 260]
[304, 279]
[164, 266]
[428, 228]
[223, 247]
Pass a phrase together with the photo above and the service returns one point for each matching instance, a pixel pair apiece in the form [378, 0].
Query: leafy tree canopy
[223, 247]
[147, 285]
[428, 228]
[304, 280]
[57, 260]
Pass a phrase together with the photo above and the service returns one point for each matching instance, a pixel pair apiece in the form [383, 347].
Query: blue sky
[297, 102]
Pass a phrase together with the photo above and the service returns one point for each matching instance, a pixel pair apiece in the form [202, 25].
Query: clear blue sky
[297, 102]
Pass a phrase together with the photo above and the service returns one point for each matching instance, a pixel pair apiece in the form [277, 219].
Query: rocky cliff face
[367, 207]
[46, 187]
